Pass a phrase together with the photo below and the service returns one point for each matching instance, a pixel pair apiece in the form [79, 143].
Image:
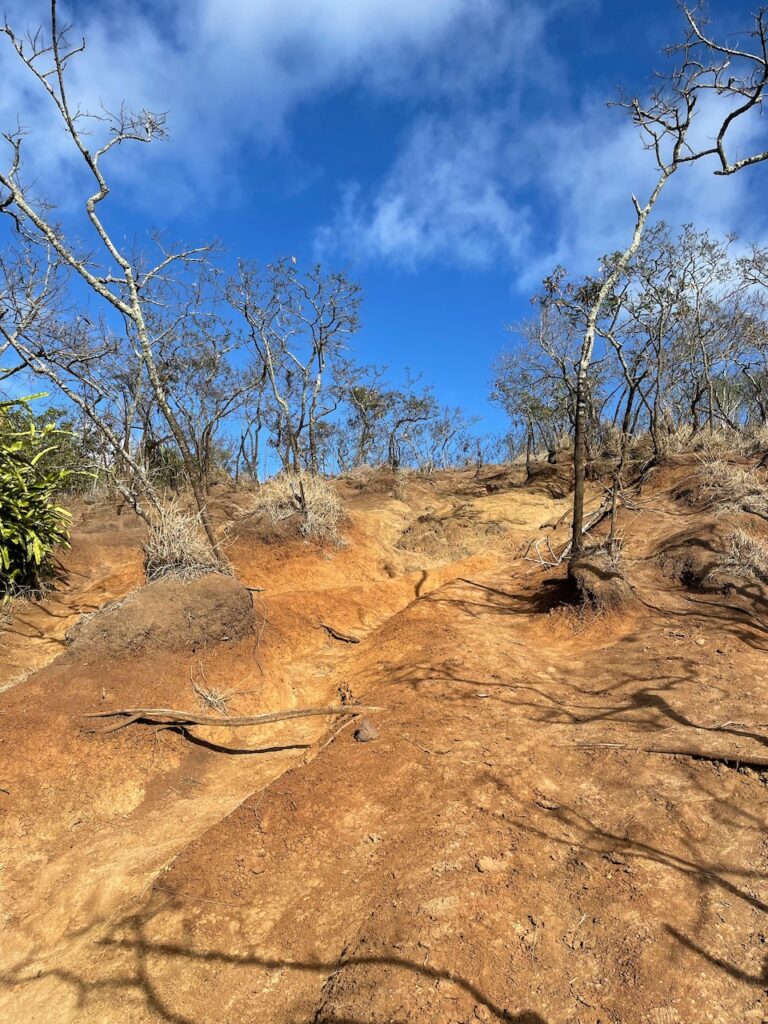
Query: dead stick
[166, 716]
[334, 734]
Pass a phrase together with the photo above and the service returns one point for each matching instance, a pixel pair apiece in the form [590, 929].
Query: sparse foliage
[32, 523]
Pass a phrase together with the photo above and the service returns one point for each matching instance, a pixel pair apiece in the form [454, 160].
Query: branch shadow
[140, 981]
[220, 748]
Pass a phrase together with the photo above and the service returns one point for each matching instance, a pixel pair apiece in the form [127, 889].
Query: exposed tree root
[168, 716]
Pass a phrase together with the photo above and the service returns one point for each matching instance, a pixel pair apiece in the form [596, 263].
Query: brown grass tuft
[177, 548]
[280, 498]
[730, 488]
[746, 559]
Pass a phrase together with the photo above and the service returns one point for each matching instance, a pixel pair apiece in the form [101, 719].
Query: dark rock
[365, 731]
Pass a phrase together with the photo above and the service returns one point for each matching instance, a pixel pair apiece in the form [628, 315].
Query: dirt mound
[456, 535]
[501, 481]
[375, 480]
[601, 581]
[166, 615]
[552, 479]
[690, 557]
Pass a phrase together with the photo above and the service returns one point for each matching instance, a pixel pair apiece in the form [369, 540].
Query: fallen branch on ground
[747, 760]
[169, 716]
[551, 559]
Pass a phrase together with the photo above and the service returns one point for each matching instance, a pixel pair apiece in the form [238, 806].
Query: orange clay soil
[485, 859]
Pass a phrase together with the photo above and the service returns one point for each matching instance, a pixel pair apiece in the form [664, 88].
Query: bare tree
[297, 325]
[737, 76]
[123, 282]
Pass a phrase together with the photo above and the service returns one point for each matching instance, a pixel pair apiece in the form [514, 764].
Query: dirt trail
[104, 564]
[481, 860]
[87, 827]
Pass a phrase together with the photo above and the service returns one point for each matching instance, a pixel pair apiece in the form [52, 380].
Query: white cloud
[230, 72]
[469, 185]
[534, 192]
[589, 163]
[442, 200]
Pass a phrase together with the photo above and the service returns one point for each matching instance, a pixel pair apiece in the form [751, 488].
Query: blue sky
[446, 152]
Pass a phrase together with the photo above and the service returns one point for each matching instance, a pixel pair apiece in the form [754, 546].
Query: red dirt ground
[482, 860]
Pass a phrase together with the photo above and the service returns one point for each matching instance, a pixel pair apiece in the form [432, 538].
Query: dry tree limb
[747, 760]
[550, 559]
[338, 635]
[169, 716]
[329, 739]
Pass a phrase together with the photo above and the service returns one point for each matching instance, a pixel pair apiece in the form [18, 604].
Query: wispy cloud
[231, 73]
[498, 161]
[442, 200]
[532, 192]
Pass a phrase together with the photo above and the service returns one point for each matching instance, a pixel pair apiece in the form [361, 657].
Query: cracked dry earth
[513, 847]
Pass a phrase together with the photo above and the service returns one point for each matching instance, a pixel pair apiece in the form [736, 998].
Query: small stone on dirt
[487, 865]
[366, 731]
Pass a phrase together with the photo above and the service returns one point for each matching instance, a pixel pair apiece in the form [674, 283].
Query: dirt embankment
[530, 839]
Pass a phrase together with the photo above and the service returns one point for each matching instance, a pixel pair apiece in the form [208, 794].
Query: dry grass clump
[452, 537]
[746, 559]
[212, 698]
[756, 439]
[321, 513]
[361, 476]
[731, 488]
[381, 479]
[639, 446]
[710, 444]
[177, 548]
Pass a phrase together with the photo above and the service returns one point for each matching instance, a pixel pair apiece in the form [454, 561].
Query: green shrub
[32, 525]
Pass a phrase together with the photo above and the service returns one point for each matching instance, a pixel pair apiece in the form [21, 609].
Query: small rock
[701, 641]
[482, 1012]
[487, 865]
[373, 838]
[365, 731]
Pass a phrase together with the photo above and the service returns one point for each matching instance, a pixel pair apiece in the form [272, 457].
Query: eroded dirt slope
[511, 848]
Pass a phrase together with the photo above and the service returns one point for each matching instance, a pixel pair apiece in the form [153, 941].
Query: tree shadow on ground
[737, 882]
[139, 981]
